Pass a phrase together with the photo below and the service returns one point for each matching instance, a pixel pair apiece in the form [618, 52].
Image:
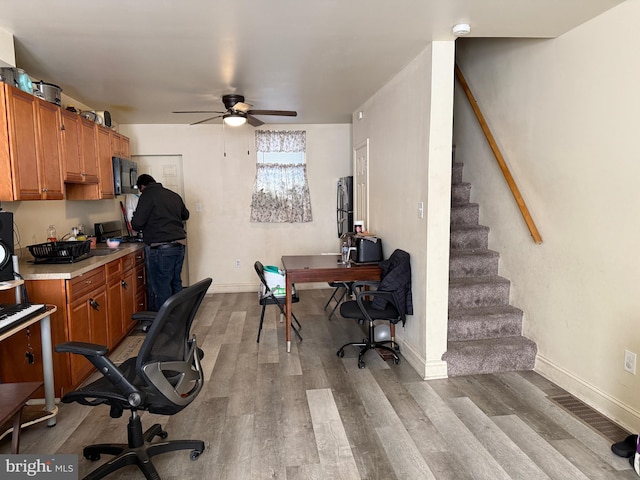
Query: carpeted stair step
[465, 214]
[468, 292]
[484, 322]
[490, 356]
[466, 237]
[456, 172]
[460, 193]
[473, 263]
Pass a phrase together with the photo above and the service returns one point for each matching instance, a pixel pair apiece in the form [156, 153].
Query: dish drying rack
[60, 252]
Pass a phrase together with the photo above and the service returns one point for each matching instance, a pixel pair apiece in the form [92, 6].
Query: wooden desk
[320, 268]
[47, 358]
[13, 397]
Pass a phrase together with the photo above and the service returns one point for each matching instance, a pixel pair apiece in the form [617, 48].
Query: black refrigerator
[345, 205]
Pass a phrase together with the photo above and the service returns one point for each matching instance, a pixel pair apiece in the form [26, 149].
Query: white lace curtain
[281, 190]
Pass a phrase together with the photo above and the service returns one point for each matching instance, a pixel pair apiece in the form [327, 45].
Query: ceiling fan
[238, 113]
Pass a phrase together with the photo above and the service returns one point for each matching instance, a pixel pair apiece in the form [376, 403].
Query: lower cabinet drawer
[86, 283]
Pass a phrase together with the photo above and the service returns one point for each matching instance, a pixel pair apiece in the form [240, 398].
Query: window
[281, 190]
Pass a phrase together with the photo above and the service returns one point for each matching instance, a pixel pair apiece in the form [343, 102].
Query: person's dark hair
[144, 180]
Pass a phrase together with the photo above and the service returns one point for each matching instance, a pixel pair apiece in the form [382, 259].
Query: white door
[167, 170]
[361, 183]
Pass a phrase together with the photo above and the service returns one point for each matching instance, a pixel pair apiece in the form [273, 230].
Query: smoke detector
[461, 29]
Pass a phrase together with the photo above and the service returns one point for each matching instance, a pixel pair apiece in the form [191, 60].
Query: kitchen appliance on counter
[368, 249]
[114, 229]
[106, 230]
[125, 176]
[344, 207]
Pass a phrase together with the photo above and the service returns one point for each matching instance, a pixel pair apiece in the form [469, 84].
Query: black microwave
[125, 175]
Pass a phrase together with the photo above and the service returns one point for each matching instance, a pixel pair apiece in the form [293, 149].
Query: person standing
[160, 215]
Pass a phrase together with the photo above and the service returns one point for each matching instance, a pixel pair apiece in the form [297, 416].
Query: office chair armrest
[97, 355]
[144, 316]
[82, 348]
[364, 284]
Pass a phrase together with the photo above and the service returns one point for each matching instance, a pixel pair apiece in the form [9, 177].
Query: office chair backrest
[396, 278]
[169, 360]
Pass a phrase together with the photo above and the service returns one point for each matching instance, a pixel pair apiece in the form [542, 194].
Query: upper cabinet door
[49, 124]
[71, 147]
[89, 151]
[23, 143]
[105, 164]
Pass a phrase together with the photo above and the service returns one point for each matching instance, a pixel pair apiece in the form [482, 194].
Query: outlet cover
[629, 362]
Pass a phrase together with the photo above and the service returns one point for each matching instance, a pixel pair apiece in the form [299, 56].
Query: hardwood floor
[306, 415]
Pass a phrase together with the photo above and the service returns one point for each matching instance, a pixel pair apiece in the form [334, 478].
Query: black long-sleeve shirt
[160, 215]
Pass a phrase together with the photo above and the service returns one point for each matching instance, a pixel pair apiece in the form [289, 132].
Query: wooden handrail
[499, 158]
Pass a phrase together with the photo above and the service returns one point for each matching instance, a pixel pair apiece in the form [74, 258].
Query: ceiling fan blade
[241, 107]
[283, 113]
[198, 111]
[253, 121]
[206, 120]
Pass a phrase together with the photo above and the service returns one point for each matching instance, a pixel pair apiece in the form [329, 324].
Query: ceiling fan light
[234, 119]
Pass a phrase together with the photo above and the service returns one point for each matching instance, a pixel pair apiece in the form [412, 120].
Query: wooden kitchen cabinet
[80, 149]
[89, 150]
[87, 320]
[104, 188]
[30, 156]
[50, 165]
[140, 283]
[120, 297]
[105, 164]
[94, 307]
[120, 145]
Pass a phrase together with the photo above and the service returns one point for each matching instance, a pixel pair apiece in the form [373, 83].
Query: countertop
[46, 271]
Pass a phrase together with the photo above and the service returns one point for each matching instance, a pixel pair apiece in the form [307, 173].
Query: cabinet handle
[87, 282]
[95, 305]
[124, 284]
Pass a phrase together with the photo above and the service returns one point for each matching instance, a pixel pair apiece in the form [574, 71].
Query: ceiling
[143, 59]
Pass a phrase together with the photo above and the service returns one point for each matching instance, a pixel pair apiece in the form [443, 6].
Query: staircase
[484, 331]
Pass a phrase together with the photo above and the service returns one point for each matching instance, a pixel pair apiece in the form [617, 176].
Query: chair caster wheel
[194, 455]
[340, 353]
[360, 364]
[163, 434]
[396, 361]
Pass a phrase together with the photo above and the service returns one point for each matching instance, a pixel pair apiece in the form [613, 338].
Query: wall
[222, 185]
[409, 127]
[564, 112]
[31, 218]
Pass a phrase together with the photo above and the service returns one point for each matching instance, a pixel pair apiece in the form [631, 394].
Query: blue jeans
[164, 266]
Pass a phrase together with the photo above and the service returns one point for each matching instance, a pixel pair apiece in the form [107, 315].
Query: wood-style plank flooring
[306, 415]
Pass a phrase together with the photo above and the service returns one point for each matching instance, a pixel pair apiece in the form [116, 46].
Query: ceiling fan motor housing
[231, 99]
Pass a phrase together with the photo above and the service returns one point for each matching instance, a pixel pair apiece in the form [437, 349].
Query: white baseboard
[427, 370]
[604, 403]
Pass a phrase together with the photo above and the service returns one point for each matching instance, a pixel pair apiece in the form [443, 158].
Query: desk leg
[289, 304]
[15, 435]
[47, 368]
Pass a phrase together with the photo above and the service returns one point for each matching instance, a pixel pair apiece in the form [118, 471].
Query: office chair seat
[163, 378]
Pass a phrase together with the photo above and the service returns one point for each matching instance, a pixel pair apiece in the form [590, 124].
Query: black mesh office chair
[268, 298]
[340, 292]
[389, 299]
[164, 378]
